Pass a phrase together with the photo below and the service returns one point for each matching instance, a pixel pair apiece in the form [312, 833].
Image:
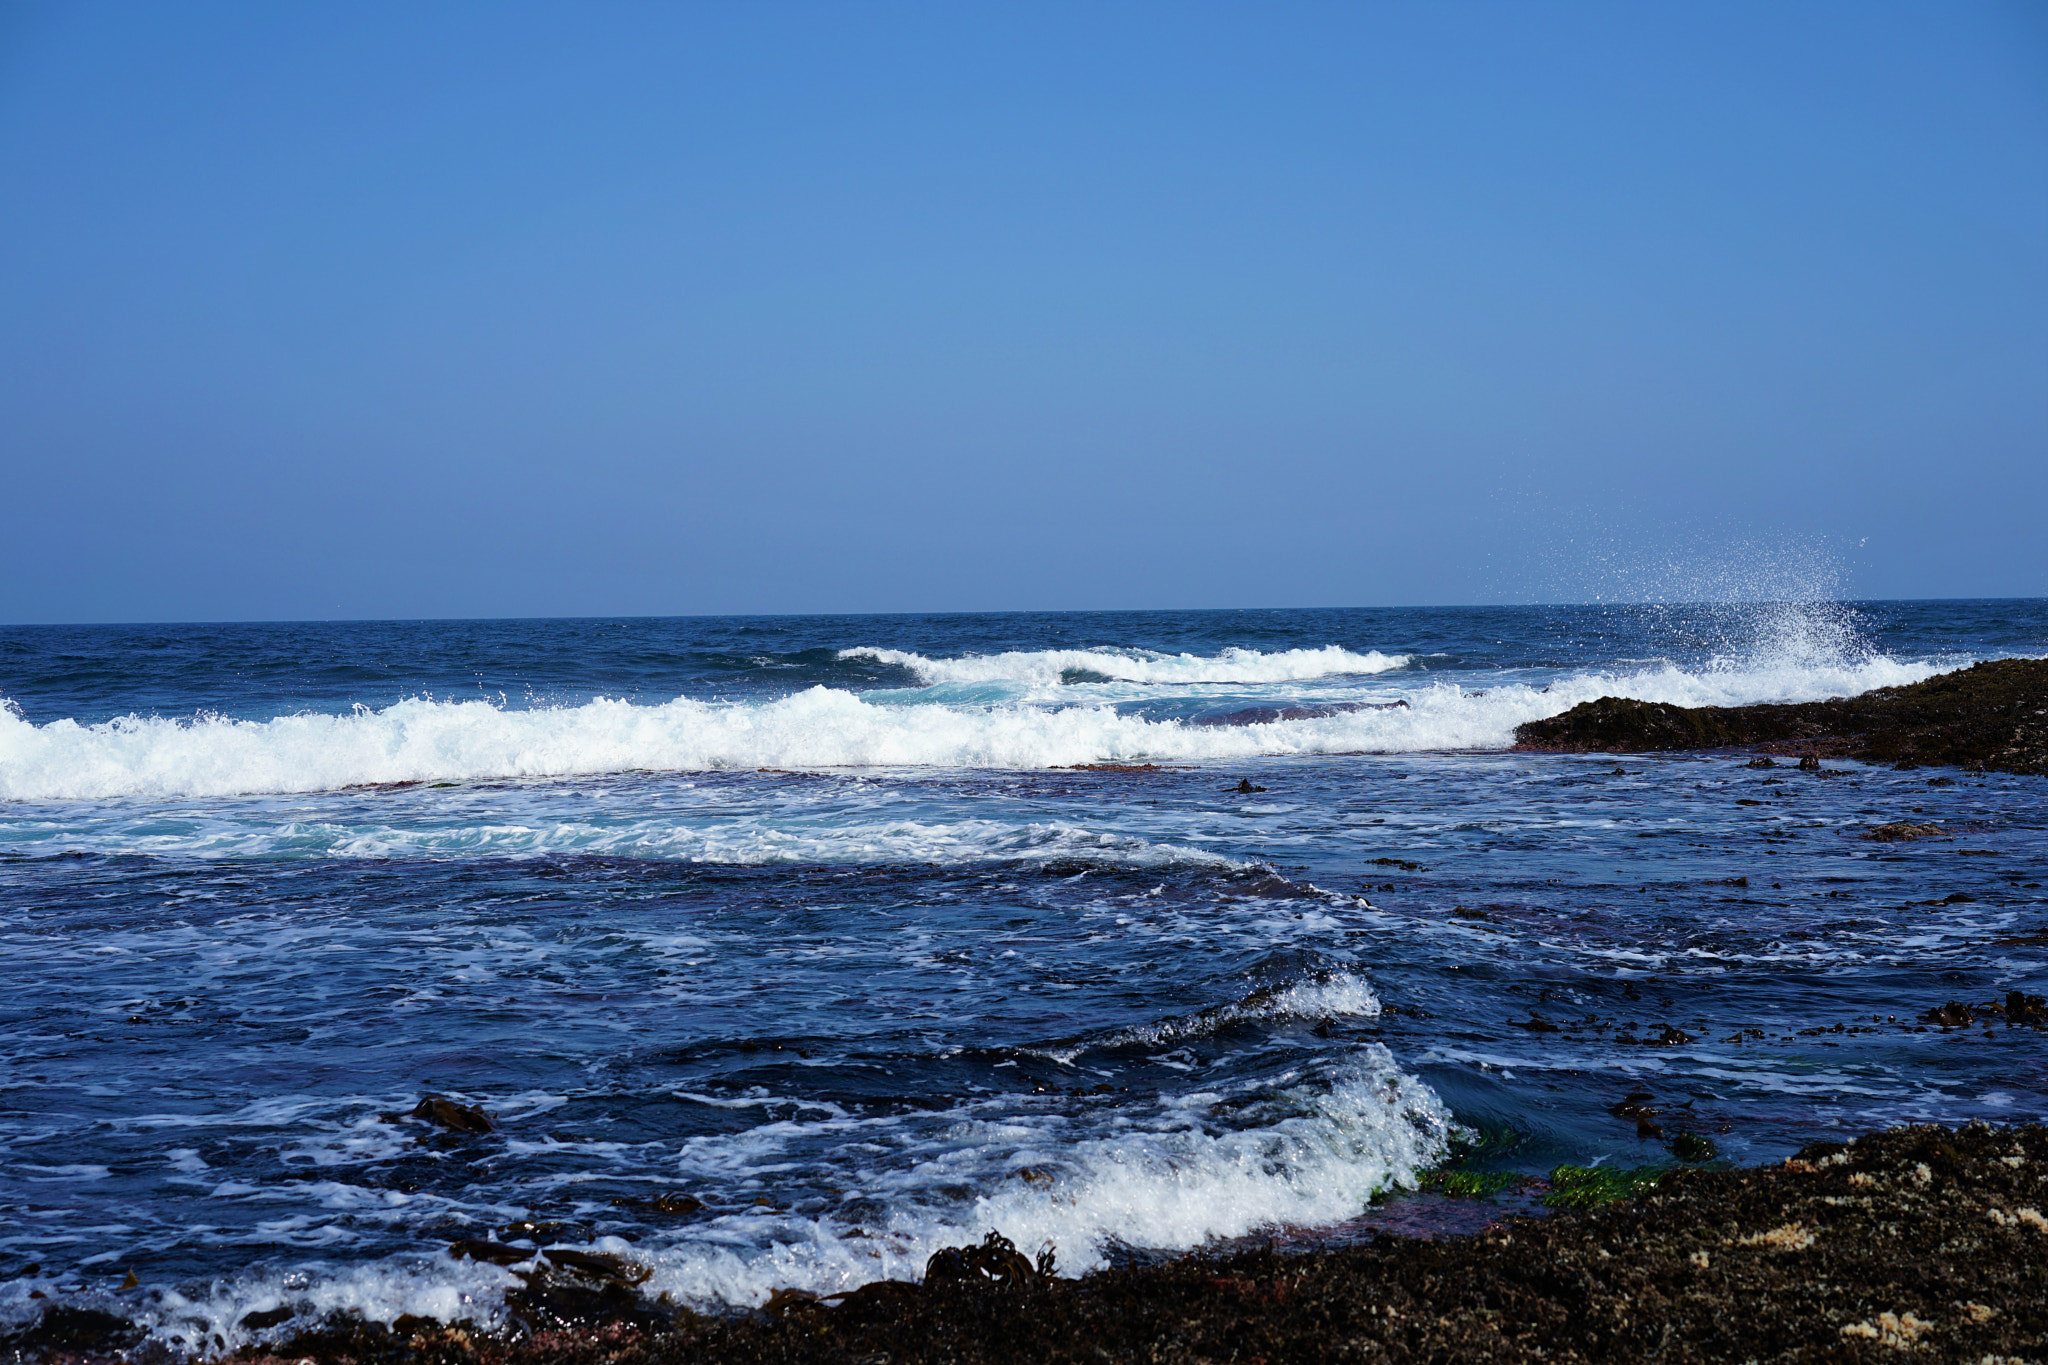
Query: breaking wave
[1331, 995]
[1171, 1183]
[1315, 1151]
[1052, 667]
[422, 740]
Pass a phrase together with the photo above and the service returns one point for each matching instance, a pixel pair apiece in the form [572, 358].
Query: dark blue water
[816, 922]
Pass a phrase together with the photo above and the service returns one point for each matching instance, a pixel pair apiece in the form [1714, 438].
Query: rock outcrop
[1991, 716]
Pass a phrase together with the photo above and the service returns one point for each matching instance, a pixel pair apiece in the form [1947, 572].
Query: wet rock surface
[1921, 1241]
[446, 1114]
[1899, 831]
[64, 1333]
[1992, 716]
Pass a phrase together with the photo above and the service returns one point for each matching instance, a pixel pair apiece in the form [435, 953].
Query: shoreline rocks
[1922, 1237]
[1991, 716]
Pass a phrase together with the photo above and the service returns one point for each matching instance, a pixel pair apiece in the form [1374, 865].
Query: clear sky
[369, 310]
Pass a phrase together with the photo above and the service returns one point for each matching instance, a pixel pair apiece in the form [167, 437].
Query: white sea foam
[1172, 1184]
[1050, 667]
[421, 740]
[1170, 1178]
[202, 1322]
[1339, 993]
[744, 841]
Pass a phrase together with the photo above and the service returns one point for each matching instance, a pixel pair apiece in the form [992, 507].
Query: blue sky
[499, 310]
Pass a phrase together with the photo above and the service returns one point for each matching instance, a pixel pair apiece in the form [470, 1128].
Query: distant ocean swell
[422, 740]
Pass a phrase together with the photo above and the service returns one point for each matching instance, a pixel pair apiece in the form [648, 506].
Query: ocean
[785, 950]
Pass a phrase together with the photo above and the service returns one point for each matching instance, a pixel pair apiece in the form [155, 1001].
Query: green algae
[1587, 1187]
[1693, 1147]
[1472, 1184]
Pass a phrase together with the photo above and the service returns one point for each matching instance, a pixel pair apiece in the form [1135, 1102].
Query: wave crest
[1052, 667]
[1175, 1179]
[432, 741]
[1179, 1185]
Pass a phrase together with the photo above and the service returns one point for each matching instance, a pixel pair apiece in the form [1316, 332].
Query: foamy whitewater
[421, 740]
[786, 951]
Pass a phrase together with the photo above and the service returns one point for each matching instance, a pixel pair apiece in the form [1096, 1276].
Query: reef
[1990, 716]
[1921, 1241]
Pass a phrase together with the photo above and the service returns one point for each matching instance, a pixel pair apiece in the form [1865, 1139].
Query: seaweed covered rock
[996, 1261]
[1991, 715]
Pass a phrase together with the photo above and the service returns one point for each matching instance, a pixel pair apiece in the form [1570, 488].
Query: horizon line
[1007, 611]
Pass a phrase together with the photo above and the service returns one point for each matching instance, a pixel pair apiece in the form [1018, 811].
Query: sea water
[854, 937]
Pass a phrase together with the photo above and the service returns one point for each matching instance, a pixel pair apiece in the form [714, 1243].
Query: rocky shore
[1919, 1243]
[1991, 716]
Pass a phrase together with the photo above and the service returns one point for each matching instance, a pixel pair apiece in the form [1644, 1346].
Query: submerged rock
[541, 1230]
[496, 1253]
[1267, 715]
[456, 1118]
[600, 1266]
[1899, 831]
[1991, 716]
[1693, 1147]
[674, 1203]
